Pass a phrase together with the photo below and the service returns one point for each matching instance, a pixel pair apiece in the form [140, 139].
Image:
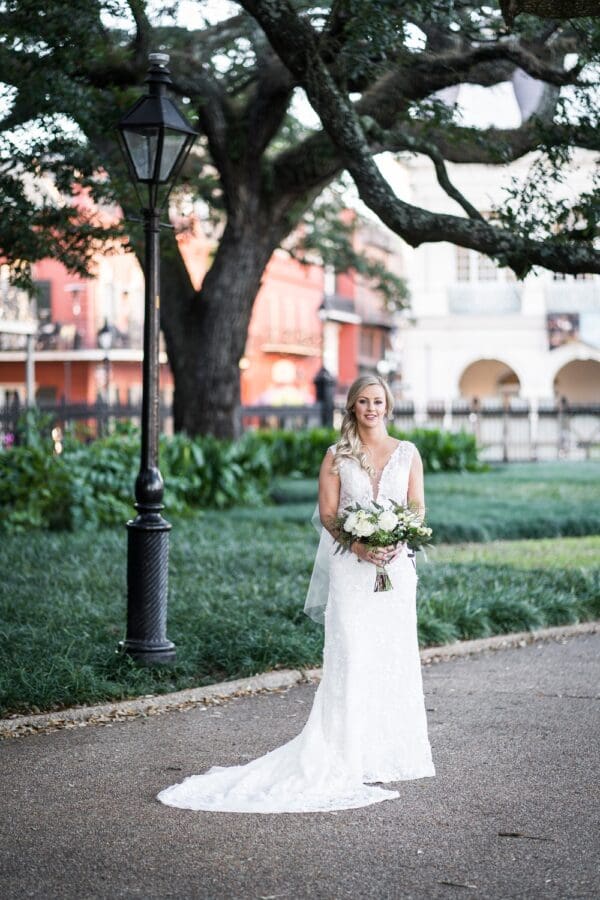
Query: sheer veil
[318, 589]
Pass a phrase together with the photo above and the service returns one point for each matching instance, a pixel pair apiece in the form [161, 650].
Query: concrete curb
[215, 694]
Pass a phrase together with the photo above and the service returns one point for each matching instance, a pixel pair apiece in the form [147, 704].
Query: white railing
[517, 431]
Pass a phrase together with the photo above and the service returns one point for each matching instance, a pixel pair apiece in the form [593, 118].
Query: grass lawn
[237, 588]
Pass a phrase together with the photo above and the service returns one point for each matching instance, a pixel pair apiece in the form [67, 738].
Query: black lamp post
[105, 340]
[156, 140]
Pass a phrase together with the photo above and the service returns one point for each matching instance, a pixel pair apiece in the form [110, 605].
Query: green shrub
[444, 451]
[92, 483]
[206, 472]
[299, 453]
[293, 453]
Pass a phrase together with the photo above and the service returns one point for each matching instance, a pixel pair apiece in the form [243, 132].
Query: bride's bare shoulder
[327, 463]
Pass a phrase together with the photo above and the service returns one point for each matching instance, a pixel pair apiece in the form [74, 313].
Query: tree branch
[403, 141]
[551, 9]
[267, 107]
[213, 108]
[425, 74]
[296, 43]
[143, 30]
[315, 160]
[503, 145]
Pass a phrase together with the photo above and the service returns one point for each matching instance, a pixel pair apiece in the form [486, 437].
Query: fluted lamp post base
[147, 586]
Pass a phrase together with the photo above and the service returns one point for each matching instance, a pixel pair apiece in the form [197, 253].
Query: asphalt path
[512, 812]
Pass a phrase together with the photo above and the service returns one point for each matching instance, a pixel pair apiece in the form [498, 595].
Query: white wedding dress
[368, 721]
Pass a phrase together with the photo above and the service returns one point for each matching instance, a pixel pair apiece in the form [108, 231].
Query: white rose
[364, 528]
[387, 520]
[350, 523]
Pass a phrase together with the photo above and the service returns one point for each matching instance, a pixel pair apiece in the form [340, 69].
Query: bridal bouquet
[379, 526]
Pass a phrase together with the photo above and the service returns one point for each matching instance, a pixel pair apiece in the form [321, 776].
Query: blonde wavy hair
[349, 446]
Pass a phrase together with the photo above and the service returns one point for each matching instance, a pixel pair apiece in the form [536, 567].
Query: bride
[368, 724]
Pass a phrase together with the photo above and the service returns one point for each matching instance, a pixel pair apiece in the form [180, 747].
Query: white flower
[364, 528]
[387, 520]
[350, 523]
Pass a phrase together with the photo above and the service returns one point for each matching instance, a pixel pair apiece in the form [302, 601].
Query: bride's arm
[329, 494]
[329, 499]
[415, 495]
[416, 488]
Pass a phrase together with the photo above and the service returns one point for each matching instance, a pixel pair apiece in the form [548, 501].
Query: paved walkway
[510, 814]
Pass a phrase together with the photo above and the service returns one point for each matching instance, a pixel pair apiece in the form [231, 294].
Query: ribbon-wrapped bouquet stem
[378, 526]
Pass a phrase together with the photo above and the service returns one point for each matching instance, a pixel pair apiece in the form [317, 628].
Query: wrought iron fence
[515, 431]
[86, 421]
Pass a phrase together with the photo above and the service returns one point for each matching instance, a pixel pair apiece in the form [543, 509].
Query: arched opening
[579, 381]
[489, 379]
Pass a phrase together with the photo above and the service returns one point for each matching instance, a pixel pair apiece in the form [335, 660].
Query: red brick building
[303, 318]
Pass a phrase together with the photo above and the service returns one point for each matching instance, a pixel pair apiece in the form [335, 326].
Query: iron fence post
[325, 387]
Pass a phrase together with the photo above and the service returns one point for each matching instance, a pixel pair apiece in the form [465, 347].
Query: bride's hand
[394, 552]
[378, 556]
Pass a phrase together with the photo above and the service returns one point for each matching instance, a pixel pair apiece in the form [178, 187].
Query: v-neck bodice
[376, 482]
[357, 486]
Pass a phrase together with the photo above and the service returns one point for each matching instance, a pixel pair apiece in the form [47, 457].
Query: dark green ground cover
[236, 604]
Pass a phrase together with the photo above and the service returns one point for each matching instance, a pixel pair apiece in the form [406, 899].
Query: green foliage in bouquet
[377, 526]
[380, 527]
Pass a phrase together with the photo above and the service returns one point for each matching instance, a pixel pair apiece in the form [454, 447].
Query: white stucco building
[477, 332]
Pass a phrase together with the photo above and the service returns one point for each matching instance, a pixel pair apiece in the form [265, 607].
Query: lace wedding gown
[368, 721]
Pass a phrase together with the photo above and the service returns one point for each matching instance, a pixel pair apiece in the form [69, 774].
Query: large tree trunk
[206, 331]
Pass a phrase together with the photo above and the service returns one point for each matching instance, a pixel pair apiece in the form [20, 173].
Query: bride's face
[370, 407]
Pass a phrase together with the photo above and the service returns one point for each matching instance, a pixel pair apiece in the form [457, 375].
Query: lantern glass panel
[173, 145]
[142, 146]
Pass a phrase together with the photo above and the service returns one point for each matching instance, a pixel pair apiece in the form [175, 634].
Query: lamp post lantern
[156, 140]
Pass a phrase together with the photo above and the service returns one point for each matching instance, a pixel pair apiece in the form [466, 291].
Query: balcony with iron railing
[57, 336]
[16, 306]
[293, 341]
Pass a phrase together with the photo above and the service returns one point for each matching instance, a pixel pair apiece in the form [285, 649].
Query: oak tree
[70, 70]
